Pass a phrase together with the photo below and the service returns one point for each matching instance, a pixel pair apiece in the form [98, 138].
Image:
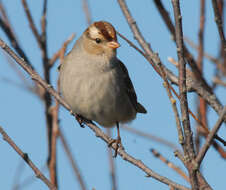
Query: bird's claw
[80, 120]
[118, 145]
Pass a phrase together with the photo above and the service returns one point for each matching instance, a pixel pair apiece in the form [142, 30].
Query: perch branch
[98, 132]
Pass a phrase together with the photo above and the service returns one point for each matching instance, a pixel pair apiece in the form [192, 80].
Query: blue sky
[22, 113]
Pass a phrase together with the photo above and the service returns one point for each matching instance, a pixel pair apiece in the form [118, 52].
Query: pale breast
[96, 95]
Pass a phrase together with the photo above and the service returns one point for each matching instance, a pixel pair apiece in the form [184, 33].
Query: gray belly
[98, 97]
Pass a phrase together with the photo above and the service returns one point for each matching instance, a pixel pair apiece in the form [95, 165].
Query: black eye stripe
[98, 40]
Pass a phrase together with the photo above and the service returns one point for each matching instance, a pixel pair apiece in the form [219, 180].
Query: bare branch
[170, 164]
[202, 88]
[18, 174]
[55, 127]
[150, 137]
[63, 48]
[94, 128]
[7, 29]
[207, 55]
[216, 80]
[23, 155]
[112, 165]
[174, 106]
[72, 161]
[31, 23]
[202, 104]
[191, 83]
[86, 10]
[219, 24]
[216, 146]
[210, 137]
[189, 150]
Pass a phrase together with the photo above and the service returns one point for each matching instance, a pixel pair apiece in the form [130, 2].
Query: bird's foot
[80, 120]
[118, 144]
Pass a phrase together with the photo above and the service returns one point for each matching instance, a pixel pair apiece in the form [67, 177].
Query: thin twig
[219, 24]
[55, 125]
[53, 160]
[42, 42]
[210, 137]
[189, 150]
[63, 48]
[181, 157]
[173, 79]
[202, 88]
[174, 106]
[4, 14]
[28, 180]
[19, 73]
[112, 165]
[187, 54]
[189, 77]
[86, 10]
[26, 158]
[31, 23]
[216, 80]
[75, 168]
[216, 146]
[207, 55]
[170, 164]
[131, 44]
[98, 132]
[202, 104]
[18, 174]
[151, 137]
[46, 68]
[154, 59]
[7, 29]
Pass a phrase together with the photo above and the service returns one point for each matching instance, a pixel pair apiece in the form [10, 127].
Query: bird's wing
[130, 89]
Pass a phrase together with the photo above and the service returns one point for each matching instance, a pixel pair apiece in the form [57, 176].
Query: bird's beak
[113, 44]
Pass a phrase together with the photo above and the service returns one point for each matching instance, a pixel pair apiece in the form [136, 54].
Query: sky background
[22, 116]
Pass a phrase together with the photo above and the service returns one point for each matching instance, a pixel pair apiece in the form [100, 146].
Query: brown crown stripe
[107, 30]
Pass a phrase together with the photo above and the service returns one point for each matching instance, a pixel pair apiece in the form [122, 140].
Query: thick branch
[190, 151]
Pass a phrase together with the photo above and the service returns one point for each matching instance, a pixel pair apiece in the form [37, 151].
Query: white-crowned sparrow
[95, 83]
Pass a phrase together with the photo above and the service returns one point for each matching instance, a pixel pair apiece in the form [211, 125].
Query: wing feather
[130, 89]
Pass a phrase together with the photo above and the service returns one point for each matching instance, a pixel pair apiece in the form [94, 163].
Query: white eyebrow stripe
[94, 32]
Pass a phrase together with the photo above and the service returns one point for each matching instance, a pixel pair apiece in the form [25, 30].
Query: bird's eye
[98, 40]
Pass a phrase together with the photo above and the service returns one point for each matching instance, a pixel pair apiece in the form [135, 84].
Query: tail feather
[140, 108]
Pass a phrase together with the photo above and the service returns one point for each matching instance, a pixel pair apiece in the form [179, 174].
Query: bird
[95, 83]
